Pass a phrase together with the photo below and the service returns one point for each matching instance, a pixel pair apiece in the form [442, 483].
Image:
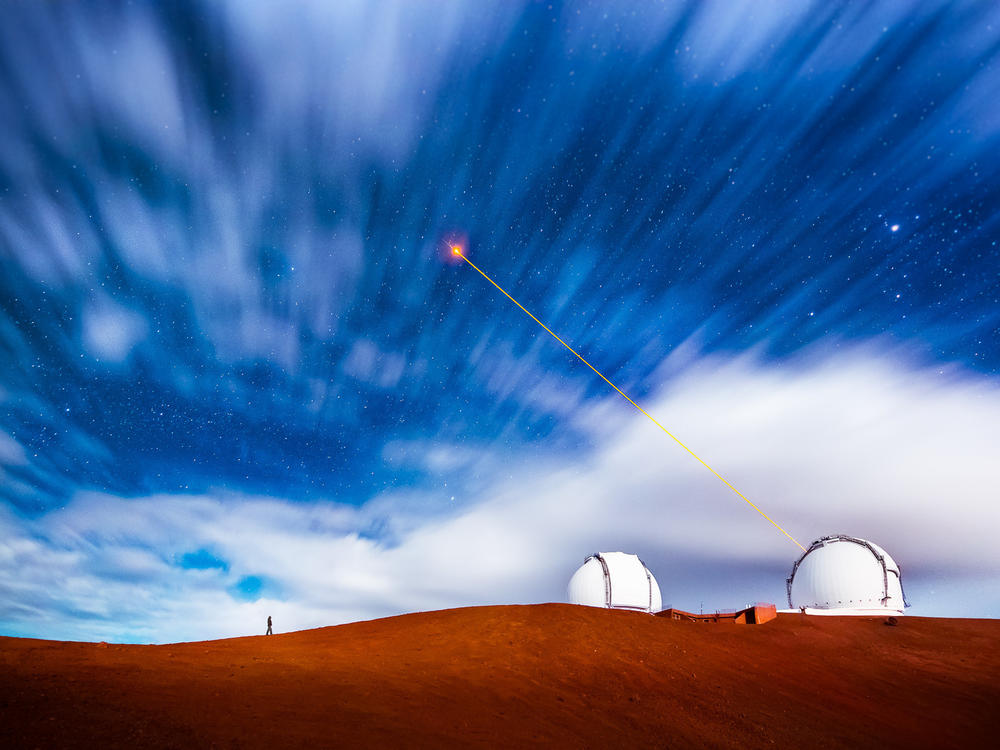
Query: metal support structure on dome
[607, 578]
[649, 582]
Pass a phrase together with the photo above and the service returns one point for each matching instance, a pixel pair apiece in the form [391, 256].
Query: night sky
[242, 376]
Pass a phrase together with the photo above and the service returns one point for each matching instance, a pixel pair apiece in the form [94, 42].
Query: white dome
[616, 580]
[846, 575]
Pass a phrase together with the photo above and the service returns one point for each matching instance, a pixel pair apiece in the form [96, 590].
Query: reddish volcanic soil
[545, 675]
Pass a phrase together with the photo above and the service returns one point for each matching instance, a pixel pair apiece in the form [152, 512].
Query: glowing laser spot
[458, 251]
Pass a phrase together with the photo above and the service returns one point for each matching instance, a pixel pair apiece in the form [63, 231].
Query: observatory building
[615, 580]
[844, 575]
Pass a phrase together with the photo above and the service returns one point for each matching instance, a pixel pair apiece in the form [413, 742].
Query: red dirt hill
[549, 675]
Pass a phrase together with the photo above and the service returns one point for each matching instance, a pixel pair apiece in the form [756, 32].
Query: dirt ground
[550, 675]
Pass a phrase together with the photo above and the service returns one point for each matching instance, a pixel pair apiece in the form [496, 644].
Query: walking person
[269, 626]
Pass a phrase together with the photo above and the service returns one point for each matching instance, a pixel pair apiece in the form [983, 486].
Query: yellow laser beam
[457, 250]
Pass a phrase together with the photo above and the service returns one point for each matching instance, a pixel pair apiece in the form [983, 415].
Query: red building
[755, 615]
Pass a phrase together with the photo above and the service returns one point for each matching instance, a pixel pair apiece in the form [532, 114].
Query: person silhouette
[269, 626]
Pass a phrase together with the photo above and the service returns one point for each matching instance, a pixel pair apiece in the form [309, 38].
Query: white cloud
[111, 331]
[857, 443]
[378, 65]
[368, 363]
[11, 451]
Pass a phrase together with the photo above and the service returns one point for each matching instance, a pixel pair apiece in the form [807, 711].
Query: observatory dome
[844, 575]
[615, 580]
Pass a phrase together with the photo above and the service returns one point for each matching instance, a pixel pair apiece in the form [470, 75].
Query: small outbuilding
[757, 614]
[615, 580]
[845, 575]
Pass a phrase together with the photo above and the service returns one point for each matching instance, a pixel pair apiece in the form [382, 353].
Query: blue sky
[241, 378]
